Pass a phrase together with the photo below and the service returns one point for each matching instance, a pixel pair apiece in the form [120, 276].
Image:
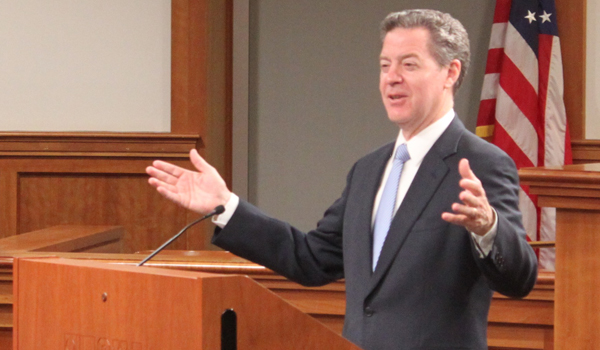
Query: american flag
[522, 108]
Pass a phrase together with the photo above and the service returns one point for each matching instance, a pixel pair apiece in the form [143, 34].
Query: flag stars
[545, 17]
[531, 16]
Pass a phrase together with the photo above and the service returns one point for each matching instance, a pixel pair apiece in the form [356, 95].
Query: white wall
[85, 65]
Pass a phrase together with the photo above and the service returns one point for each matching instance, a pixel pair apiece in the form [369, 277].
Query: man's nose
[394, 75]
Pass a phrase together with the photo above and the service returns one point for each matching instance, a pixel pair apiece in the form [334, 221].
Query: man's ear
[454, 69]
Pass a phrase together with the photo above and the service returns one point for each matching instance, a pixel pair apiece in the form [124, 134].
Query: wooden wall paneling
[199, 236]
[571, 17]
[5, 338]
[201, 87]
[505, 336]
[6, 302]
[200, 75]
[217, 136]
[94, 179]
[188, 65]
[50, 179]
[218, 120]
[577, 247]
[102, 197]
[586, 151]
[8, 201]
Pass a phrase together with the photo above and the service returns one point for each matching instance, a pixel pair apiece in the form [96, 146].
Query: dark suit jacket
[430, 289]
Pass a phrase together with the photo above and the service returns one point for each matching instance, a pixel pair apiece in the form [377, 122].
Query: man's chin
[399, 119]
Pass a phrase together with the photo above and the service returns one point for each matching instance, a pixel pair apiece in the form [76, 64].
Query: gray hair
[449, 39]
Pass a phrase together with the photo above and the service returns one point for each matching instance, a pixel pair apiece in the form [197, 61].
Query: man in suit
[427, 227]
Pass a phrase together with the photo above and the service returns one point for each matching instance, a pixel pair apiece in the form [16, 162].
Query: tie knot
[402, 153]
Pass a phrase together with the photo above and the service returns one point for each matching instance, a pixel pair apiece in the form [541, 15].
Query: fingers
[473, 197]
[462, 214]
[160, 175]
[168, 168]
[474, 212]
[465, 210]
[199, 162]
[465, 171]
[476, 222]
[162, 169]
[199, 191]
[170, 173]
[160, 184]
[456, 219]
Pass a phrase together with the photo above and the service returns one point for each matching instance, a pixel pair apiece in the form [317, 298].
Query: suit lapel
[426, 183]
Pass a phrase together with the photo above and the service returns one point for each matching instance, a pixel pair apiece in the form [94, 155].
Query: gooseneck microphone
[217, 211]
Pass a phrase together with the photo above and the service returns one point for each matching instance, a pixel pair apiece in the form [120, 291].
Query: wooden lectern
[80, 305]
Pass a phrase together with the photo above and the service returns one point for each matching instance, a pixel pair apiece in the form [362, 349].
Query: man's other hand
[199, 191]
[475, 212]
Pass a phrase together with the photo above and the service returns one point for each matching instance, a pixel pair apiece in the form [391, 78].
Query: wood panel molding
[585, 151]
[573, 186]
[570, 176]
[138, 145]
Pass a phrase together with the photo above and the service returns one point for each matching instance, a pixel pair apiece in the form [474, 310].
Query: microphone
[217, 211]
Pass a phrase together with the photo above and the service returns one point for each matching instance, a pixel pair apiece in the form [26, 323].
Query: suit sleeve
[311, 259]
[511, 266]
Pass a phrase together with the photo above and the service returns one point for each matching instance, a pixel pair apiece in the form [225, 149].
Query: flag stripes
[522, 108]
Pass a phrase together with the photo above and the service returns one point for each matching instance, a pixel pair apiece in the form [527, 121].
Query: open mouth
[395, 97]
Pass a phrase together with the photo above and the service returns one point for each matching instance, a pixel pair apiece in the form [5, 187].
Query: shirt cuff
[230, 207]
[485, 243]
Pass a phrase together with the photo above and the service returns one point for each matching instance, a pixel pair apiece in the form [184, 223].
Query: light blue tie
[385, 211]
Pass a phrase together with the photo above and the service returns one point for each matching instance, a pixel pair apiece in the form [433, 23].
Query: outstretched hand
[475, 213]
[199, 191]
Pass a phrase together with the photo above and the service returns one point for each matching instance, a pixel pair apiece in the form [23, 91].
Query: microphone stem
[219, 210]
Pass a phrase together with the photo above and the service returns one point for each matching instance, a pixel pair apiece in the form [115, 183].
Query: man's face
[415, 89]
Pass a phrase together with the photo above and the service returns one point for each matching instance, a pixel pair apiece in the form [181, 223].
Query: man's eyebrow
[410, 55]
[403, 57]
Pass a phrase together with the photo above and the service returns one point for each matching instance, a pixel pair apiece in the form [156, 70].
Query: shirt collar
[421, 143]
